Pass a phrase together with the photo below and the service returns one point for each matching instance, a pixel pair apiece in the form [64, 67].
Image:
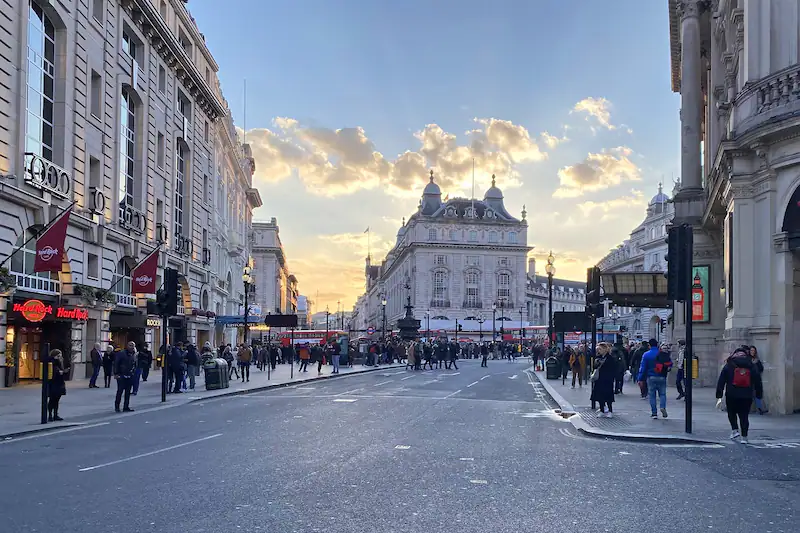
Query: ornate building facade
[735, 64]
[115, 106]
[275, 286]
[457, 258]
[568, 295]
[644, 251]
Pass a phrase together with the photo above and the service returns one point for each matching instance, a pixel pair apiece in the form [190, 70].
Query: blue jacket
[647, 367]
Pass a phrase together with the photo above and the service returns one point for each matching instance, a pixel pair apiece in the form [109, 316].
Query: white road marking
[478, 481]
[708, 446]
[402, 447]
[298, 416]
[409, 377]
[349, 392]
[624, 453]
[382, 383]
[431, 381]
[304, 388]
[467, 459]
[48, 433]
[513, 377]
[484, 377]
[397, 373]
[148, 454]
[451, 394]
[471, 384]
[346, 400]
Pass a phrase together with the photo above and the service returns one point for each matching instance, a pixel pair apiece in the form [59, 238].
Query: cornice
[189, 23]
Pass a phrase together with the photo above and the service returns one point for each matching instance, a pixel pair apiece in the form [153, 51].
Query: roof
[460, 206]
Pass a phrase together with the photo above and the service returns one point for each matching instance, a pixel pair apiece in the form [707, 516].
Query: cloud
[551, 141]
[599, 110]
[598, 171]
[333, 162]
[611, 208]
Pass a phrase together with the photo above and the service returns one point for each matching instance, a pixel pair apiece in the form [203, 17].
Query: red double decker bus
[310, 336]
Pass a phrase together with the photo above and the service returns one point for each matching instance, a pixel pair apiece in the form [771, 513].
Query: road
[396, 451]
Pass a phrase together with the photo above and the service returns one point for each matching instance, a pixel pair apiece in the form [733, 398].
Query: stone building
[116, 106]
[275, 286]
[457, 257]
[735, 64]
[568, 295]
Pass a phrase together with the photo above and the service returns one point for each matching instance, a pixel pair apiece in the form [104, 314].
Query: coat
[603, 388]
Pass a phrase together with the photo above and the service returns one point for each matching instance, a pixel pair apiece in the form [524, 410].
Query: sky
[350, 103]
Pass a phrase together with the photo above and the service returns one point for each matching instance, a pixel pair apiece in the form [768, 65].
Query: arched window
[504, 288]
[127, 150]
[512, 237]
[453, 234]
[41, 83]
[22, 268]
[123, 285]
[472, 289]
[440, 289]
[180, 176]
[163, 10]
[492, 236]
[204, 301]
[473, 236]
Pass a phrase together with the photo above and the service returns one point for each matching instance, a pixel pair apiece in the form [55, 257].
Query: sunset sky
[350, 103]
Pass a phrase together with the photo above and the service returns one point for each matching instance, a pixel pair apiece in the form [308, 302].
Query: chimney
[531, 267]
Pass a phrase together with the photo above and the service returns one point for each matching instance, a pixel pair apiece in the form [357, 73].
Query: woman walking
[108, 365]
[740, 380]
[605, 370]
[56, 387]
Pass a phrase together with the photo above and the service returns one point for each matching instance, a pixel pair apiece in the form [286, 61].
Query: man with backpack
[656, 364]
[740, 379]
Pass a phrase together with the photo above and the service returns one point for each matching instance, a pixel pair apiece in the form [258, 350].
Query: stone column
[691, 95]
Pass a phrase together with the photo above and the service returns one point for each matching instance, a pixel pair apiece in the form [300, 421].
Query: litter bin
[216, 374]
[552, 368]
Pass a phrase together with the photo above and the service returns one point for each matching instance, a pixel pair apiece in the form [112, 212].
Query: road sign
[370, 331]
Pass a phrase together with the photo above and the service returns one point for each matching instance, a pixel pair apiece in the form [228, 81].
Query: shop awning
[238, 320]
[635, 289]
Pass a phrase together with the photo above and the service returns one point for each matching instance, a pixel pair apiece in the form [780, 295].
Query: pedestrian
[175, 362]
[577, 362]
[130, 348]
[740, 380]
[145, 360]
[656, 364]
[124, 368]
[96, 357]
[305, 357]
[192, 364]
[760, 405]
[337, 353]
[227, 354]
[56, 387]
[484, 355]
[108, 365]
[680, 376]
[605, 370]
[621, 359]
[245, 357]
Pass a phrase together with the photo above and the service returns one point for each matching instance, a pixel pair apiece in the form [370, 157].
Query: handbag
[595, 375]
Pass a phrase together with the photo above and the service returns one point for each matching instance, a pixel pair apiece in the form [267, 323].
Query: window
[439, 289]
[502, 261]
[208, 76]
[22, 263]
[185, 43]
[205, 190]
[160, 150]
[41, 83]
[123, 285]
[97, 10]
[128, 44]
[92, 266]
[180, 174]
[159, 211]
[472, 292]
[184, 106]
[492, 236]
[473, 236]
[431, 234]
[503, 287]
[440, 260]
[473, 260]
[127, 151]
[162, 8]
[453, 234]
[205, 131]
[95, 173]
[162, 80]
[512, 237]
[96, 93]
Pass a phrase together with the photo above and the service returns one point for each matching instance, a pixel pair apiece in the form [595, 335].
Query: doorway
[29, 342]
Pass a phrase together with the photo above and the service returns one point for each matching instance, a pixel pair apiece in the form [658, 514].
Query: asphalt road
[472, 450]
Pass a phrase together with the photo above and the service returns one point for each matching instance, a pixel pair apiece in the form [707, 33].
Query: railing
[35, 283]
[471, 304]
[181, 309]
[206, 256]
[125, 300]
[46, 175]
[440, 303]
[764, 99]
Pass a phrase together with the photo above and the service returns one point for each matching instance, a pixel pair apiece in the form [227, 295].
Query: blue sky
[392, 68]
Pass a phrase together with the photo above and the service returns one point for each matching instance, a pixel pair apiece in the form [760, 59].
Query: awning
[238, 320]
[635, 289]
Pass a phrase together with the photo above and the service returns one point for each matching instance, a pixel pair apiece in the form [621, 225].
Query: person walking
[740, 380]
[56, 387]
[245, 357]
[192, 364]
[124, 368]
[656, 364]
[96, 357]
[305, 357]
[605, 370]
[680, 376]
[145, 360]
[108, 365]
[175, 362]
[577, 362]
[636, 361]
[762, 408]
[484, 355]
[335, 356]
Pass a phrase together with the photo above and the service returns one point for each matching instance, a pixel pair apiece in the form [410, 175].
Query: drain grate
[591, 417]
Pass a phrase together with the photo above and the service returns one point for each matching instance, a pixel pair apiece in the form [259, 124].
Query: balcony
[235, 243]
[472, 304]
[206, 256]
[125, 300]
[34, 283]
[772, 96]
[440, 303]
[47, 176]
[132, 219]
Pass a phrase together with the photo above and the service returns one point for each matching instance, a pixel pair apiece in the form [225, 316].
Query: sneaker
[744, 440]
[664, 412]
[609, 415]
[735, 434]
[654, 416]
[680, 397]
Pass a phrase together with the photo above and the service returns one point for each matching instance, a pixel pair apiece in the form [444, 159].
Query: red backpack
[741, 377]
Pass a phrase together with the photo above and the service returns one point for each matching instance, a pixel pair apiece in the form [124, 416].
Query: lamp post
[383, 307]
[521, 330]
[247, 279]
[551, 271]
[327, 316]
[428, 325]
[502, 316]
[480, 322]
[614, 317]
[494, 323]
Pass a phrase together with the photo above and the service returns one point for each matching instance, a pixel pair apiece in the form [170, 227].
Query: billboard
[700, 286]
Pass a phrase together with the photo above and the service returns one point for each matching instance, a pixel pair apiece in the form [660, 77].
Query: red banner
[144, 275]
[50, 245]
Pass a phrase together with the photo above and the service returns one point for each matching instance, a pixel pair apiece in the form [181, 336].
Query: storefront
[127, 325]
[36, 325]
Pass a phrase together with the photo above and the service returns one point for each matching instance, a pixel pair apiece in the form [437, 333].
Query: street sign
[370, 331]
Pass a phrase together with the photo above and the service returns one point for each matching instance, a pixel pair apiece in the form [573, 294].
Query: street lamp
[480, 322]
[521, 330]
[383, 306]
[614, 317]
[494, 323]
[502, 316]
[551, 271]
[247, 279]
[428, 325]
[327, 315]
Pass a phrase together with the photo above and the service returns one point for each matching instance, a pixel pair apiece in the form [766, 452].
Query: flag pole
[39, 233]
[106, 291]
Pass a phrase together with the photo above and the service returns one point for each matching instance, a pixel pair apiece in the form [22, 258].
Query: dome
[432, 189]
[493, 193]
[659, 198]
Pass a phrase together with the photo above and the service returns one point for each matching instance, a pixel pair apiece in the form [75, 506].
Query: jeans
[739, 408]
[679, 382]
[124, 385]
[137, 375]
[95, 374]
[336, 363]
[191, 370]
[657, 384]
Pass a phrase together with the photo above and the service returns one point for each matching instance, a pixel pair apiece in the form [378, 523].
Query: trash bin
[216, 374]
[552, 368]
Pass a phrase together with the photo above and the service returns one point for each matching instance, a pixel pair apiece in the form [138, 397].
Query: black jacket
[124, 363]
[725, 381]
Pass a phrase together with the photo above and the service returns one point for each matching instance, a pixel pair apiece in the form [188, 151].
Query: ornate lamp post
[428, 325]
[383, 307]
[551, 271]
[248, 280]
[480, 322]
[494, 322]
[327, 317]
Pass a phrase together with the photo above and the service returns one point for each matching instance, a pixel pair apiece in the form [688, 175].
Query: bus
[310, 336]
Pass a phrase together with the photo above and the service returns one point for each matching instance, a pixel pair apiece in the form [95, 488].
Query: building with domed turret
[644, 251]
[458, 257]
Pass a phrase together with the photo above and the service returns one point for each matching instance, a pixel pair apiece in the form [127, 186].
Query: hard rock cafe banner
[50, 245]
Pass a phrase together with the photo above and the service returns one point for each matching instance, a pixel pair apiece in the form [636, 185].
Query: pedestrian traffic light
[167, 298]
[663, 325]
[679, 262]
[592, 286]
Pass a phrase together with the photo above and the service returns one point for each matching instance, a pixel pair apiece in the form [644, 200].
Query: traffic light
[592, 286]
[663, 325]
[460, 328]
[167, 298]
[679, 262]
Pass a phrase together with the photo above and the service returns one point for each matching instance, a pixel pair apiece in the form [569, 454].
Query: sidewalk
[20, 406]
[632, 416]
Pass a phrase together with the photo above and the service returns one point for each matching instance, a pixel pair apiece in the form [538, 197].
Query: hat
[653, 343]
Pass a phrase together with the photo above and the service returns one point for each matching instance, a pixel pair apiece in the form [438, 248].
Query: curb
[585, 429]
[8, 437]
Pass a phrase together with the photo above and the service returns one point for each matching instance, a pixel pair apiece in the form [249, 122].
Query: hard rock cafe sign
[37, 311]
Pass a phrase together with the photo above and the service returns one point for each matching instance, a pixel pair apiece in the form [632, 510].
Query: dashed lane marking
[148, 454]
[402, 447]
[409, 377]
[451, 394]
[345, 393]
[467, 459]
[484, 377]
[478, 481]
[346, 400]
[383, 383]
[471, 384]
[513, 377]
